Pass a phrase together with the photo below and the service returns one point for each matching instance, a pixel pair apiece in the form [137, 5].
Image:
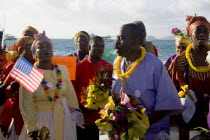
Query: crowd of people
[137, 70]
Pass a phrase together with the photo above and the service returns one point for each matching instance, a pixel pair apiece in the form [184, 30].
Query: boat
[108, 38]
[9, 37]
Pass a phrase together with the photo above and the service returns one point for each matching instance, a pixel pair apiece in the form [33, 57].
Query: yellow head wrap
[11, 55]
[32, 29]
[180, 37]
[81, 33]
[21, 43]
[183, 40]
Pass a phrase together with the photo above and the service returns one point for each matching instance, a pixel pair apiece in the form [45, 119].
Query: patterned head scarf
[81, 33]
[32, 29]
[40, 38]
[21, 43]
[194, 21]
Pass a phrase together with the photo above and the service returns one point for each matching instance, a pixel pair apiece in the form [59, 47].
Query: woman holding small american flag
[51, 103]
[9, 88]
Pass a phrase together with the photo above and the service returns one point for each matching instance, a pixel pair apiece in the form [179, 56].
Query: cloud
[62, 19]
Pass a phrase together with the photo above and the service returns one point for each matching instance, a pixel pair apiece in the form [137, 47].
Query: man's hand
[157, 115]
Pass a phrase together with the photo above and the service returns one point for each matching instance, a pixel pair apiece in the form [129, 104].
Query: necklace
[187, 55]
[58, 85]
[132, 68]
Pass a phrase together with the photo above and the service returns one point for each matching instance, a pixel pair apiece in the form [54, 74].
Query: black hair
[141, 25]
[94, 39]
[136, 33]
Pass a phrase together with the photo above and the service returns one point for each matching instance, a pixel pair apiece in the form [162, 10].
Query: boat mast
[3, 38]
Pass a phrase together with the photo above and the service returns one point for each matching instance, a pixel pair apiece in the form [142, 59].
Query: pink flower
[174, 30]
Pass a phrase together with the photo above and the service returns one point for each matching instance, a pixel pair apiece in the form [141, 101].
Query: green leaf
[123, 136]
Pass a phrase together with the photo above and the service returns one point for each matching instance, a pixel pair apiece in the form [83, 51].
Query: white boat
[9, 37]
[108, 38]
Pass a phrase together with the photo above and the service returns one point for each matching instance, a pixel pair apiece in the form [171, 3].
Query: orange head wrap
[32, 29]
[194, 21]
[21, 43]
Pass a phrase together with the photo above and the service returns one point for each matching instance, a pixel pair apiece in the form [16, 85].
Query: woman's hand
[15, 87]
[33, 135]
[3, 92]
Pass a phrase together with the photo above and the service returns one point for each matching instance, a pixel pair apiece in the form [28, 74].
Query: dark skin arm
[157, 115]
[167, 64]
[33, 135]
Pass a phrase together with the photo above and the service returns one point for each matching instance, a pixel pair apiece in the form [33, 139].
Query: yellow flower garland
[128, 73]
[187, 55]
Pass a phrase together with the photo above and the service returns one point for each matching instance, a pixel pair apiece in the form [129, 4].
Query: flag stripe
[19, 79]
[25, 79]
[29, 79]
[38, 72]
[37, 75]
[26, 74]
[36, 80]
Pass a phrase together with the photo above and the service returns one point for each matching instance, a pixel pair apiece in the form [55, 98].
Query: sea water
[63, 47]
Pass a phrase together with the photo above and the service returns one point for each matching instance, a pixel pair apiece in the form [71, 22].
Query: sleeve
[27, 109]
[172, 70]
[166, 95]
[155, 50]
[6, 72]
[76, 82]
[110, 74]
[70, 94]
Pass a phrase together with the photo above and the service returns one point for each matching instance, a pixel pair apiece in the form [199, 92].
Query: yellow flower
[92, 106]
[181, 94]
[184, 91]
[104, 113]
[110, 105]
[185, 88]
[97, 122]
[96, 98]
[108, 126]
[103, 126]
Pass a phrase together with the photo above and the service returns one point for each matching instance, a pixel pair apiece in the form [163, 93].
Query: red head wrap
[194, 21]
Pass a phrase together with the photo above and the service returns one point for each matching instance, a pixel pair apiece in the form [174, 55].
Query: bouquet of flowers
[123, 119]
[95, 96]
[178, 32]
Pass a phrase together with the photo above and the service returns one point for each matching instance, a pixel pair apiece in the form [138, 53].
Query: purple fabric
[157, 91]
[170, 59]
[208, 118]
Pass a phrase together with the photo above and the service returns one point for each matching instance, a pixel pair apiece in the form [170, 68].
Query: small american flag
[125, 100]
[26, 74]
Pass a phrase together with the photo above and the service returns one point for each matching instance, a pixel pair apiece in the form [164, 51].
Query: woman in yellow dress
[51, 103]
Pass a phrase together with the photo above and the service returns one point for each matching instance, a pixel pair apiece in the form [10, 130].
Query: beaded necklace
[58, 85]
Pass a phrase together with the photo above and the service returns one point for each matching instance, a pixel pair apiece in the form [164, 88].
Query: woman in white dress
[51, 103]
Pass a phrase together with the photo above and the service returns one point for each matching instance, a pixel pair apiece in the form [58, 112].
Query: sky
[64, 18]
